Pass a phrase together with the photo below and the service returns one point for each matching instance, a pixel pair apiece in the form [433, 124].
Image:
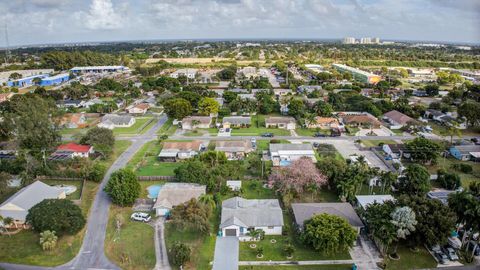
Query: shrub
[59, 215]
[180, 254]
[448, 180]
[123, 187]
[466, 168]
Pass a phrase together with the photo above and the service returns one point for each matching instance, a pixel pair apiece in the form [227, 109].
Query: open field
[131, 247]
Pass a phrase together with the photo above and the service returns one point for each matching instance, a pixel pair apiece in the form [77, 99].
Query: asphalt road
[92, 255]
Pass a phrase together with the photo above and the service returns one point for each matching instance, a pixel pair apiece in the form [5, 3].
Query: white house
[173, 151]
[282, 154]
[172, 194]
[365, 200]
[192, 122]
[140, 108]
[281, 122]
[188, 72]
[239, 216]
[17, 205]
[72, 150]
[112, 121]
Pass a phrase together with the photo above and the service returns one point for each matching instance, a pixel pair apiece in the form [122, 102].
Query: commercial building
[358, 74]
[99, 69]
[365, 40]
[27, 81]
[5, 75]
[55, 80]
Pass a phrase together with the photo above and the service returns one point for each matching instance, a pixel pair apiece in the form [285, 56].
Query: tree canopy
[123, 187]
[416, 180]
[177, 108]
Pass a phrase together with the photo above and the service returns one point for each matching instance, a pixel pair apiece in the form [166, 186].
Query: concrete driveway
[226, 253]
[160, 247]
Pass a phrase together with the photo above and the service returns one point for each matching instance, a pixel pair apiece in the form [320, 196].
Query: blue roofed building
[55, 80]
[25, 82]
[465, 152]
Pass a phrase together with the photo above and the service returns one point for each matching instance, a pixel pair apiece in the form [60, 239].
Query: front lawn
[142, 124]
[412, 260]
[78, 184]
[168, 128]
[258, 127]
[131, 247]
[310, 132]
[153, 167]
[264, 144]
[297, 267]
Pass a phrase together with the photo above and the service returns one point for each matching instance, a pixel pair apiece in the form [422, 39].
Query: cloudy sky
[58, 21]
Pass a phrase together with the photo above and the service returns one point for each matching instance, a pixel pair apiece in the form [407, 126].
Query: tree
[289, 249]
[193, 171]
[295, 179]
[416, 180]
[403, 218]
[378, 218]
[423, 150]
[59, 215]
[471, 111]
[323, 109]
[228, 73]
[207, 199]
[328, 233]
[296, 108]
[15, 76]
[213, 158]
[208, 106]
[448, 180]
[95, 172]
[102, 140]
[388, 179]
[123, 187]
[435, 221]
[48, 240]
[180, 254]
[177, 108]
[192, 215]
[431, 89]
[4, 178]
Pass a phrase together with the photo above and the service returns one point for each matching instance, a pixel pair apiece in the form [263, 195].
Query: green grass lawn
[151, 148]
[297, 267]
[153, 167]
[168, 128]
[446, 163]
[253, 189]
[412, 260]
[374, 143]
[133, 246]
[265, 143]
[311, 131]
[139, 127]
[78, 184]
[258, 127]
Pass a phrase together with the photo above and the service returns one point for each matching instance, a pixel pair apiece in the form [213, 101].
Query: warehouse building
[358, 74]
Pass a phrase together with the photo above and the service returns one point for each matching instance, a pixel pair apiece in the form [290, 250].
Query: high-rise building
[376, 40]
[365, 40]
[349, 40]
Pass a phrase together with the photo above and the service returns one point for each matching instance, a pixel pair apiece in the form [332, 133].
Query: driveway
[365, 254]
[226, 253]
[160, 247]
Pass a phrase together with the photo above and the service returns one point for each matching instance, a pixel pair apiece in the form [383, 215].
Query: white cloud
[102, 16]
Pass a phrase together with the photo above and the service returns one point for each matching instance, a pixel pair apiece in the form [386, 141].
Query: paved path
[226, 253]
[92, 255]
[160, 247]
[365, 254]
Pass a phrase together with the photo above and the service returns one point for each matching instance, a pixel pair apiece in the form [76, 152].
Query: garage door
[231, 232]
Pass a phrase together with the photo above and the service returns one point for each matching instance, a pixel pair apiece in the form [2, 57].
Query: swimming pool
[153, 191]
[67, 188]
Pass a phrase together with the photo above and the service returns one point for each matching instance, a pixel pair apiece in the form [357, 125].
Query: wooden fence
[156, 178]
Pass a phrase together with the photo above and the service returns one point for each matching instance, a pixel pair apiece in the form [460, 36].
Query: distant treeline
[62, 60]
[418, 63]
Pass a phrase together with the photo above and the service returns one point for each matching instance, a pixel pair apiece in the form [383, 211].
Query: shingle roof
[172, 194]
[193, 145]
[117, 119]
[398, 117]
[237, 120]
[279, 120]
[26, 198]
[304, 211]
[201, 119]
[233, 146]
[251, 213]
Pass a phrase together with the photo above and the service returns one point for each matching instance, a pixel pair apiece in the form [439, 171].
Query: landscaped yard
[132, 247]
[258, 127]
[142, 125]
[78, 184]
[412, 260]
[298, 267]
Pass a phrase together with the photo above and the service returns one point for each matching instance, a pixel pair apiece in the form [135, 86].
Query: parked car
[471, 245]
[436, 248]
[441, 258]
[452, 255]
[318, 134]
[253, 140]
[268, 134]
[139, 216]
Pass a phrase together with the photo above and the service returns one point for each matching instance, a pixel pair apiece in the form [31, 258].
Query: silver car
[139, 216]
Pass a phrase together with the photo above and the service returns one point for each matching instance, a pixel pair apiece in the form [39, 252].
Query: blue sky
[58, 21]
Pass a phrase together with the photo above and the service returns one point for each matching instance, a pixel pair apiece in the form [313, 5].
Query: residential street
[92, 253]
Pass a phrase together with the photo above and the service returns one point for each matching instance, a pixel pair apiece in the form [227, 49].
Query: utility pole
[7, 49]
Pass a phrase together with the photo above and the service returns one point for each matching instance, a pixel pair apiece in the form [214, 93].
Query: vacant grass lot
[298, 267]
[132, 247]
[446, 163]
[145, 162]
[142, 124]
[78, 184]
[412, 260]
[258, 127]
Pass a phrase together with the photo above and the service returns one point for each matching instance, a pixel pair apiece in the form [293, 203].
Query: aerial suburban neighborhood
[236, 153]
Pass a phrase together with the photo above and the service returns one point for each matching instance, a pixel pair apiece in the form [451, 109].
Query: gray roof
[172, 194]
[466, 149]
[233, 146]
[275, 147]
[26, 198]
[251, 213]
[304, 211]
[280, 120]
[237, 120]
[117, 119]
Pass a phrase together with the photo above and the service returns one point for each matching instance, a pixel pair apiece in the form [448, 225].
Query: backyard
[131, 247]
[446, 163]
[77, 183]
[145, 162]
[258, 127]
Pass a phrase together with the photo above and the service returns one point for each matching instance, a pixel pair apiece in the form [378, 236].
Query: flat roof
[356, 70]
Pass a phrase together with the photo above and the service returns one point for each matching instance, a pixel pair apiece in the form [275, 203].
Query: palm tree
[48, 240]
[6, 222]
[208, 200]
[309, 119]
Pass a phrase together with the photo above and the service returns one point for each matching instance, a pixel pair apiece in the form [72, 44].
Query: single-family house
[236, 121]
[192, 122]
[17, 206]
[71, 103]
[307, 89]
[112, 121]
[94, 101]
[305, 211]
[364, 201]
[281, 122]
[72, 150]
[396, 151]
[282, 154]
[449, 121]
[234, 185]
[440, 194]
[173, 151]
[74, 120]
[359, 120]
[140, 108]
[240, 216]
[173, 194]
[234, 150]
[465, 152]
[190, 73]
[434, 114]
[397, 119]
[324, 123]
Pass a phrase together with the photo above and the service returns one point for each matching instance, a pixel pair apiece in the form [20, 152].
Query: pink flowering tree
[301, 176]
